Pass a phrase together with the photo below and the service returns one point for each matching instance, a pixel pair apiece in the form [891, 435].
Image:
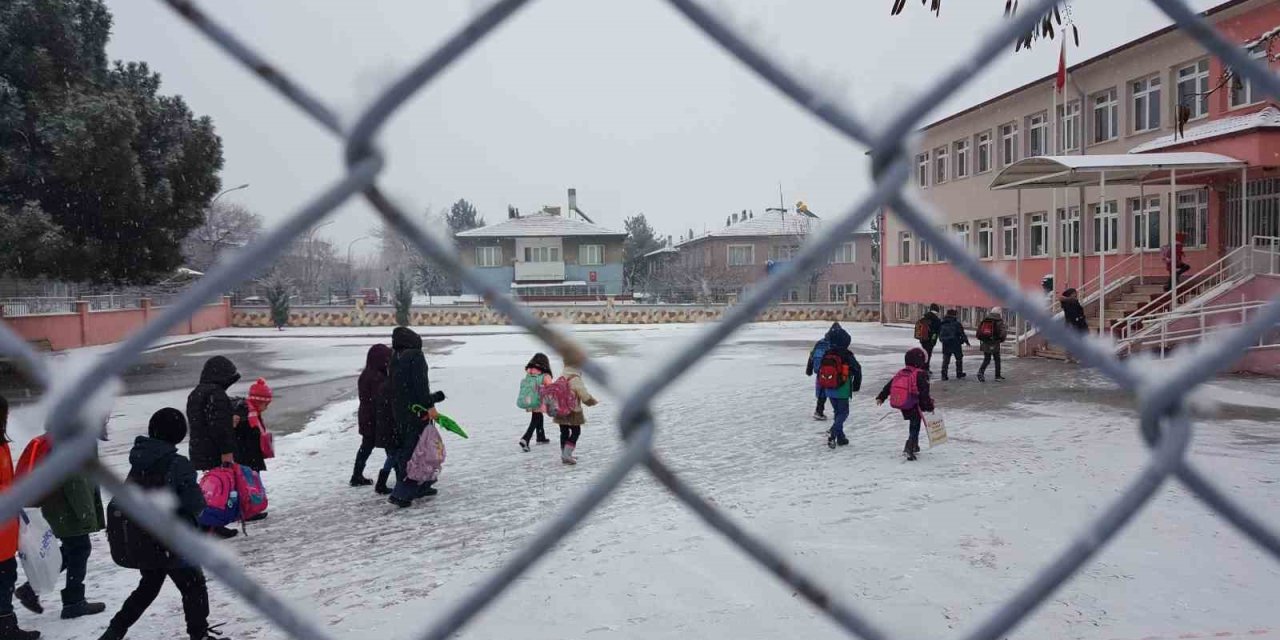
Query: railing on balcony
[539, 271]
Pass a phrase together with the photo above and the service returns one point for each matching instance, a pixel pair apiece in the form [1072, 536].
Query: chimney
[573, 199]
[735, 218]
[726, 221]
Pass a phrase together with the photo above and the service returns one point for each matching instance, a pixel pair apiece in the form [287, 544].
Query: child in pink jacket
[538, 365]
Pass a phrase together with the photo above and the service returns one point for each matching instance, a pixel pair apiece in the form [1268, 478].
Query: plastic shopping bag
[40, 551]
[937, 431]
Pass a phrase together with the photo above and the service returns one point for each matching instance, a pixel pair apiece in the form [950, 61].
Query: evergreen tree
[277, 289]
[641, 240]
[462, 216]
[402, 298]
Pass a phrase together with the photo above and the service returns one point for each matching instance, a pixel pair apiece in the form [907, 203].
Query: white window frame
[1039, 223]
[1195, 202]
[1244, 86]
[941, 168]
[846, 253]
[1037, 127]
[544, 253]
[904, 247]
[750, 257]
[1107, 103]
[961, 231]
[960, 158]
[489, 256]
[1144, 211]
[1101, 217]
[1069, 127]
[1008, 144]
[922, 170]
[1069, 231]
[926, 251]
[1193, 78]
[1009, 236]
[904, 311]
[986, 240]
[1145, 103]
[783, 252]
[840, 291]
[584, 250]
[984, 148]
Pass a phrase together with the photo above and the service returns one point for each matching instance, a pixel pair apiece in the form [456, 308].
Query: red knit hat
[259, 391]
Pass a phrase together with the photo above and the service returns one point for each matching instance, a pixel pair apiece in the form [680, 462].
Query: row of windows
[1146, 215]
[742, 255]
[909, 312]
[836, 292]
[588, 255]
[1005, 145]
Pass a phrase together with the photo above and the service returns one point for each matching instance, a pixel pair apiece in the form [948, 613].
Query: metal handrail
[1203, 327]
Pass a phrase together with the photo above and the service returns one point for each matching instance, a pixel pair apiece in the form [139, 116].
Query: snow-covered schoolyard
[927, 549]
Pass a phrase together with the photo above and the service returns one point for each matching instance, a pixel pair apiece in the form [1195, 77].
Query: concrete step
[1149, 289]
[1052, 353]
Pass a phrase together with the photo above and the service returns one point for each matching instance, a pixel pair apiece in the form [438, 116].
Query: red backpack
[923, 330]
[987, 329]
[833, 372]
[904, 389]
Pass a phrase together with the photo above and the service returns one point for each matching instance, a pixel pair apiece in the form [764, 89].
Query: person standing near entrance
[1173, 256]
[991, 334]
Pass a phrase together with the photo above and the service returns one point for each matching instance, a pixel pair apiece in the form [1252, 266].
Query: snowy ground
[927, 548]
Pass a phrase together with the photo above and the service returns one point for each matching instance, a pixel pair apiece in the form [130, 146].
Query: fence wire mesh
[1164, 422]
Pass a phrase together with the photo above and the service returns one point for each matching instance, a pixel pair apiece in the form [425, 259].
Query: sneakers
[28, 599]
[524, 446]
[9, 629]
[399, 502]
[544, 441]
[381, 487]
[981, 378]
[999, 377]
[360, 481]
[843, 442]
[831, 441]
[818, 415]
[81, 609]
[961, 376]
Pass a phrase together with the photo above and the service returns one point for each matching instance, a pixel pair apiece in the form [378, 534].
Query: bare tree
[227, 225]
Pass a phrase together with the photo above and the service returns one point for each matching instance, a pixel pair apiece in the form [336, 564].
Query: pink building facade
[1124, 101]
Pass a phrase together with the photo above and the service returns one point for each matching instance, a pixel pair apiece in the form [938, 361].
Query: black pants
[1182, 268]
[535, 426]
[362, 454]
[75, 561]
[986, 360]
[190, 583]
[948, 353]
[822, 403]
[913, 431]
[8, 578]
[569, 435]
[928, 346]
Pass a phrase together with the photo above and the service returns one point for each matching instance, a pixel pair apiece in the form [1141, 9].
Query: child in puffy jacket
[916, 396]
[571, 424]
[539, 366]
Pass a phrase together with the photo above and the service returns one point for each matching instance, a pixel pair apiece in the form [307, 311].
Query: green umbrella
[448, 424]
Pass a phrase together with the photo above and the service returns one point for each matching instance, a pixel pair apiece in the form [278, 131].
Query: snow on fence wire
[1164, 420]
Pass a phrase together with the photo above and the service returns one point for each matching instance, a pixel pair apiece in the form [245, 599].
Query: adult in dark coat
[1073, 311]
[209, 414]
[376, 427]
[156, 464]
[412, 406]
[916, 360]
[953, 338]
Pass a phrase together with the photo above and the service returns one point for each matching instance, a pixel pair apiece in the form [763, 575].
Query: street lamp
[351, 265]
[226, 191]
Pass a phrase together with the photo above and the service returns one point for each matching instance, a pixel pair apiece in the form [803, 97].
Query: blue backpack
[820, 350]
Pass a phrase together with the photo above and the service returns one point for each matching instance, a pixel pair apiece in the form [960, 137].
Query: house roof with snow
[540, 225]
[1268, 118]
[766, 225]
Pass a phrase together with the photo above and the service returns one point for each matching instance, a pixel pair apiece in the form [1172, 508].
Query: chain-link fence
[1164, 420]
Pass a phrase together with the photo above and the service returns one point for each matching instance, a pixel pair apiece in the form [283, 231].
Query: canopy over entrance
[1056, 172]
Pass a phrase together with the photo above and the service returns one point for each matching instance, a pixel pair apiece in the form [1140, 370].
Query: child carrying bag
[39, 551]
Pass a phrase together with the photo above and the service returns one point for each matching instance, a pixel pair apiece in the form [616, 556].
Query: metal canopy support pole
[1244, 206]
[1017, 269]
[1139, 214]
[1053, 244]
[1173, 240]
[1100, 216]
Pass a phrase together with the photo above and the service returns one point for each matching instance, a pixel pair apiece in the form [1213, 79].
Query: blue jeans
[841, 408]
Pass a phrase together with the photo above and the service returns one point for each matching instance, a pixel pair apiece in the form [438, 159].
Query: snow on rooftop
[540, 225]
[1268, 118]
[767, 224]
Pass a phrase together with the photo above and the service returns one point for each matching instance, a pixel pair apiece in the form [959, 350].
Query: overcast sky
[622, 99]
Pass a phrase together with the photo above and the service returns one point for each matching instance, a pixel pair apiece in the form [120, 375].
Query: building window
[1009, 236]
[1193, 217]
[1106, 227]
[783, 253]
[845, 254]
[1008, 144]
[1069, 128]
[984, 152]
[793, 295]
[926, 251]
[1039, 235]
[904, 247]
[841, 292]
[961, 159]
[986, 240]
[1146, 222]
[488, 256]
[904, 311]
[542, 254]
[966, 316]
[940, 158]
[1069, 231]
[1037, 135]
[961, 233]
[741, 255]
[590, 254]
[922, 170]
[1242, 93]
[1106, 116]
[1193, 89]
[1146, 104]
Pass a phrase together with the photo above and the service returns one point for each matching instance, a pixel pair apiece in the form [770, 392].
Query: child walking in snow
[376, 424]
[953, 336]
[819, 349]
[252, 437]
[839, 375]
[991, 334]
[908, 392]
[571, 423]
[537, 374]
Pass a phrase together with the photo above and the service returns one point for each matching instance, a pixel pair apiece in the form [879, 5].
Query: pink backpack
[559, 398]
[221, 507]
[904, 390]
[428, 456]
[253, 495]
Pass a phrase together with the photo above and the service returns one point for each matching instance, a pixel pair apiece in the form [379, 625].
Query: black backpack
[950, 331]
[132, 546]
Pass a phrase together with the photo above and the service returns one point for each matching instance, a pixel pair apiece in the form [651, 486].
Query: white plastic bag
[40, 552]
[937, 430]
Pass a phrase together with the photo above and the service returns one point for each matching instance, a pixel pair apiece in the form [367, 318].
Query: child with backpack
[926, 332]
[839, 375]
[564, 398]
[908, 392]
[819, 349]
[536, 375]
[9, 629]
[991, 333]
[156, 464]
[953, 337]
